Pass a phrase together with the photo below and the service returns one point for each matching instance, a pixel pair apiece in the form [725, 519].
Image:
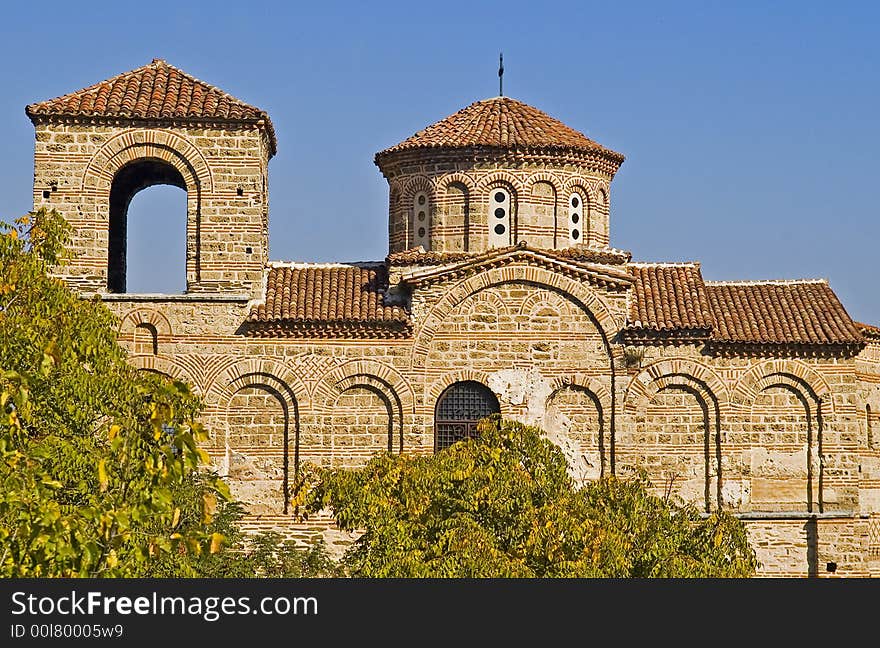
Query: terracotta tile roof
[327, 295]
[417, 256]
[669, 298]
[780, 312]
[500, 122]
[672, 299]
[156, 91]
[868, 330]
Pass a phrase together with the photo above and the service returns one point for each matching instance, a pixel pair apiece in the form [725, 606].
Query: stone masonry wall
[460, 204]
[712, 427]
[227, 197]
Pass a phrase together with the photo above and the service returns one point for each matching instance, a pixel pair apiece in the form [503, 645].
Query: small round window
[577, 207]
[421, 225]
[499, 218]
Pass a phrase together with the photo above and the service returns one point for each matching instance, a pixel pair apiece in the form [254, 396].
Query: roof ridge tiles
[764, 282]
[323, 264]
[664, 264]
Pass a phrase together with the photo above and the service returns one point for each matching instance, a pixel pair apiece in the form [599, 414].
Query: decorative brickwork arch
[135, 160]
[755, 379]
[414, 185]
[484, 303]
[602, 317]
[400, 390]
[584, 381]
[500, 178]
[543, 176]
[536, 303]
[143, 315]
[243, 372]
[433, 391]
[132, 145]
[165, 366]
[450, 179]
[585, 185]
[657, 375]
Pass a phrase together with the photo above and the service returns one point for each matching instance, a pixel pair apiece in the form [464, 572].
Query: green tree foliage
[503, 505]
[99, 462]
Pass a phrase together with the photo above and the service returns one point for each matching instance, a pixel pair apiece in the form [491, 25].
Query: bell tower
[98, 147]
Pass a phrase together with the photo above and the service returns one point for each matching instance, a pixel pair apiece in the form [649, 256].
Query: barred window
[458, 410]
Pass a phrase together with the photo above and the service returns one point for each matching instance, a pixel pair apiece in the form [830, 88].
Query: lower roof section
[668, 302]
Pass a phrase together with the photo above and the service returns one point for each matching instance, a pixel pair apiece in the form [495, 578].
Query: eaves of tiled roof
[594, 273]
[419, 257]
[155, 92]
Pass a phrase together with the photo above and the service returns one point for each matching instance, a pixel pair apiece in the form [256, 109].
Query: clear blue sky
[751, 129]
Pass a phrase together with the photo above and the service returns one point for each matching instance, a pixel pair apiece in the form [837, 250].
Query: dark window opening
[458, 410]
[148, 232]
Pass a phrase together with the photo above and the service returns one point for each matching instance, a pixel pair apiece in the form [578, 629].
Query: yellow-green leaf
[102, 475]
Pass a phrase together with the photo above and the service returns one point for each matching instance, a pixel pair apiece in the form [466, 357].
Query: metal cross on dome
[500, 74]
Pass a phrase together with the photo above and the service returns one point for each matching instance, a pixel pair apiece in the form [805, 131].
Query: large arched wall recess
[804, 419]
[600, 398]
[599, 312]
[709, 392]
[380, 378]
[246, 385]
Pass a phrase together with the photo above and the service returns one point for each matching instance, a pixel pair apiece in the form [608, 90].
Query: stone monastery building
[500, 293]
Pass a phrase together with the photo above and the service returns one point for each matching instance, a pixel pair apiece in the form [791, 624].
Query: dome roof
[503, 123]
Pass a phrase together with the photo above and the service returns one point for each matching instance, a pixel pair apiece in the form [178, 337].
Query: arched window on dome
[499, 218]
[421, 220]
[458, 409]
[578, 219]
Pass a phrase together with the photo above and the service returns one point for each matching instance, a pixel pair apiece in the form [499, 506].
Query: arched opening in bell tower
[154, 224]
